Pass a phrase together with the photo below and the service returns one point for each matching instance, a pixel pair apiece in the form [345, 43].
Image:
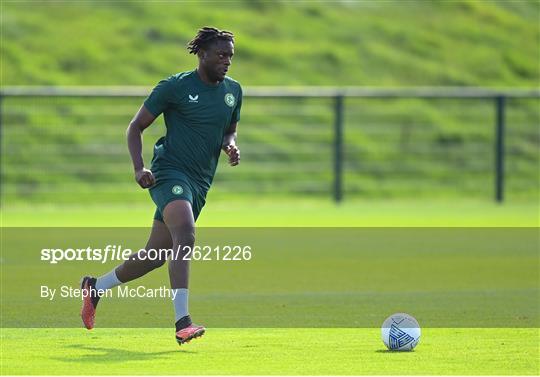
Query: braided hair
[206, 36]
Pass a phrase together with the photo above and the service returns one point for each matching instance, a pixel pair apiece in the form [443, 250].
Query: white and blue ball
[400, 332]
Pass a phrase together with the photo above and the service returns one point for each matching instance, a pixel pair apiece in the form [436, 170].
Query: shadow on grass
[111, 355]
[394, 351]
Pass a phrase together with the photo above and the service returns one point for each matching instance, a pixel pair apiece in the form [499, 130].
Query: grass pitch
[287, 213]
[267, 352]
[296, 350]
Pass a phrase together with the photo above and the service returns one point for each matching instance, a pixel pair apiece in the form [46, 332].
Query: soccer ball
[400, 332]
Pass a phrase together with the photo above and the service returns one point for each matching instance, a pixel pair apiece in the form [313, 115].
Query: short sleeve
[236, 113]
[158, 101]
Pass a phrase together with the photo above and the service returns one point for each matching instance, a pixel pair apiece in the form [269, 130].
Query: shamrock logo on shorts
[177, 190]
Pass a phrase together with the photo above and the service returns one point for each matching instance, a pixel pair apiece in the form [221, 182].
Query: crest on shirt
[193, 99]
[177, 190]
[230, 100]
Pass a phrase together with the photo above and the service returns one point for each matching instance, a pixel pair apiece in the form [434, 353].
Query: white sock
[107, 281]
[180, 303]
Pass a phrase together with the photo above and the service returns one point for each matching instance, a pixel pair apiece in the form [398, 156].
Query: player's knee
[184, 236]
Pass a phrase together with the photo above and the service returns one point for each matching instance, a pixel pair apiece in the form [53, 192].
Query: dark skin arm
[138, 124]
[229, 145]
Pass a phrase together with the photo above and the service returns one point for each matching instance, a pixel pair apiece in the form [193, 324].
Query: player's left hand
[234, 154]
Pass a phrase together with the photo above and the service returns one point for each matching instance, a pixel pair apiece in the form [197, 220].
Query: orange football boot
[188, 333]
[90, 300]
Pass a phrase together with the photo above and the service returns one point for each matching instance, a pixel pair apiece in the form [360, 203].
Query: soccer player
[201, 109]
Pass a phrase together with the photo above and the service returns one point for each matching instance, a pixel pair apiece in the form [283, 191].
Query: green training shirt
[197, 115]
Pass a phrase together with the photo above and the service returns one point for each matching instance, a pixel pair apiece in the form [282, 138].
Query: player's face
[217, 60]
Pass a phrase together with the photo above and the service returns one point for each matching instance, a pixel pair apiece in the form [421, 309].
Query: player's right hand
[144, 178]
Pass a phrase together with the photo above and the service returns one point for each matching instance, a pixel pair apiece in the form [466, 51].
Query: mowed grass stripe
[227, 209]
[267, 352]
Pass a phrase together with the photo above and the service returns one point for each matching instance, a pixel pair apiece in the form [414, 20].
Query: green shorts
[176, 186]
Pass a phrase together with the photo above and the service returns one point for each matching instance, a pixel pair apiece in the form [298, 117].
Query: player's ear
[201, 54]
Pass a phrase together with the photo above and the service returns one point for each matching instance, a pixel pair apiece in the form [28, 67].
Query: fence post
[499, 149]
[338, 149]
[1, 151]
